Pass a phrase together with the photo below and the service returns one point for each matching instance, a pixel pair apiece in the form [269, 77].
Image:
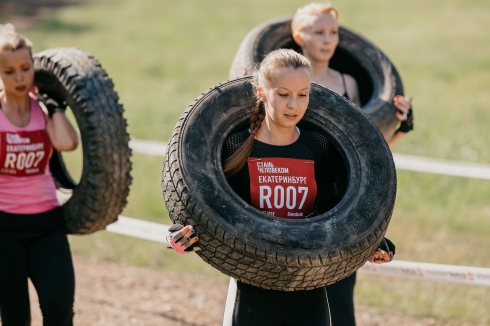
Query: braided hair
[282, 58]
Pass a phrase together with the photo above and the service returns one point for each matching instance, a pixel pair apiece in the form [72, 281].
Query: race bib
[283, 187]
[24, 153]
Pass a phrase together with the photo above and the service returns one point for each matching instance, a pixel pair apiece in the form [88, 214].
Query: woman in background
[315, 29]
[33, 243]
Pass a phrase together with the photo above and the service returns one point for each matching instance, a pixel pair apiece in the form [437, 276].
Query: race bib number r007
[24, 153]
[283, 187]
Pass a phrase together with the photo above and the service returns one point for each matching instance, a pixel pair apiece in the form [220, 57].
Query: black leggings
[341, 299]
[43, 255]
[249, 305]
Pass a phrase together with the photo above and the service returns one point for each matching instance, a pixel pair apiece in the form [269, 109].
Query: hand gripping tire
[377, 78]
[76, 77]
[263, 250]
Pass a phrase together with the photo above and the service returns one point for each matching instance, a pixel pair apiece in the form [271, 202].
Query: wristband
[407, 124]
[56, 110]
[52, 105]
[388, 245]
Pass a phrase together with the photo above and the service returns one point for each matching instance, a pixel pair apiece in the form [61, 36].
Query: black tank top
[330, 171]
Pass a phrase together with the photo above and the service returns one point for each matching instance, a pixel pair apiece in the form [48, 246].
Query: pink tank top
[26, 184]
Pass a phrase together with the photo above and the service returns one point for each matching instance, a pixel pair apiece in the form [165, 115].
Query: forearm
[396, 137]
[61, 133]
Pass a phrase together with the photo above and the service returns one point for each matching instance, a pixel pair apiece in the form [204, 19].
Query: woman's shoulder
[312, 135]
[352, 89]
[350, 82]
[237, 138]
[315, 140]
[233, 142]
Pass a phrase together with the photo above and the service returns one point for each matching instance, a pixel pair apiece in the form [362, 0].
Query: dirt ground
[115, 294]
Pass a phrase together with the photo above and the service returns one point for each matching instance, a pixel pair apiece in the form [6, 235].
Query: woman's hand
[181, 238]
[380, 257]
[405, 115]
[403, 105]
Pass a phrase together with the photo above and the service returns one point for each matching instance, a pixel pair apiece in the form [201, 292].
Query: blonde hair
[12, 41]
[300, 19]
[282, 58]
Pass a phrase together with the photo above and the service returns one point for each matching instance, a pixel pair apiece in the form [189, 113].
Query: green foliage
[163, 54]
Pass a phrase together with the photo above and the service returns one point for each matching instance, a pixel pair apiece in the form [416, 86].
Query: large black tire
[76, 77]
[376, 76]
[263, 250]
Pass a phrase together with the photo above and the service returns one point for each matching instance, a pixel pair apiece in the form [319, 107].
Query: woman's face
[286, 97]
[319, 40]
[16, 72]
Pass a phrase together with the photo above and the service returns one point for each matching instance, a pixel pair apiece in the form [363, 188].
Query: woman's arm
[61, 133]
[405, 115]
[396, 137]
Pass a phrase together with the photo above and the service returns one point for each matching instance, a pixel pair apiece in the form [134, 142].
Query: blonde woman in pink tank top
[33, 243]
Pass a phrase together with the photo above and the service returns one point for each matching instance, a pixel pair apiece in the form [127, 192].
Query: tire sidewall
[76, 77]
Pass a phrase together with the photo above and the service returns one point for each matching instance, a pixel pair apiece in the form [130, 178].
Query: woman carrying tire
[315, 29]
[282, 171]
[33, 242]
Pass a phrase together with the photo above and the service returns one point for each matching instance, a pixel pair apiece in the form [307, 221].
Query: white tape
[423, 271]
[139, 229]
[149, 147]
[433, 272]
[402, 161]
[431, 165]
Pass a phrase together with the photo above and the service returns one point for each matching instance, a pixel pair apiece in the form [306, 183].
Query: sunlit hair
[262, 76]
[12, 41]
[302, 18]
[282, 58]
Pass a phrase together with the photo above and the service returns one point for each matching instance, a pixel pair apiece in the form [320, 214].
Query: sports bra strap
[345, 86]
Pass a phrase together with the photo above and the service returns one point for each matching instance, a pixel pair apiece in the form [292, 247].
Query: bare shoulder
[350, 82]
[352, 89]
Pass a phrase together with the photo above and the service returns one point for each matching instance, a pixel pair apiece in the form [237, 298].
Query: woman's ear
[297, 39]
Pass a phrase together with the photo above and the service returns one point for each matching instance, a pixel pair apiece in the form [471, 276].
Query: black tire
[377, 78]
[263, 250]
[76, 77]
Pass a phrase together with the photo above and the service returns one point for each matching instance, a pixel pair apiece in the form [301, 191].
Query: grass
[163, 54]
